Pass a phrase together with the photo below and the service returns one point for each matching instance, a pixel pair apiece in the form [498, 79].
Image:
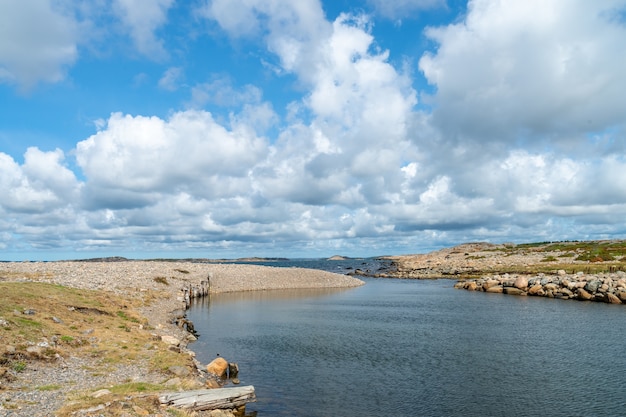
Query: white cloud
[171, 79]
[512, 68]
[40, 185]
[188, 152]
[142, 19]
[37, 43]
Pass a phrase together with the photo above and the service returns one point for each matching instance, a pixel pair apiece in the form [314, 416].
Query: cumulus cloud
[43, 183]
[38, 42]
[189, 152]
[524, 140]
[529, 68]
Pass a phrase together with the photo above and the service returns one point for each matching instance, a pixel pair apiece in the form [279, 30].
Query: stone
[179, 370]
[220, 413]
[471, 286]
[140, 411]
[622, 295]
[218, 367]
[233, 370]
[612, 299]
[535, 289]
[561, 272]
[567, 292]
[521, 282]
[592, 286]
[170, 340]
[172, 382]
[496, 289]
[513, 291]
[490, 283]
[583, 294]
[100, 393]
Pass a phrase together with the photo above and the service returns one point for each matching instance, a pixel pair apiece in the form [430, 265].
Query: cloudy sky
[230, 128]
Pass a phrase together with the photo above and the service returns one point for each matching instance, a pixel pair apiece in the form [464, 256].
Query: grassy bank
[42, 324]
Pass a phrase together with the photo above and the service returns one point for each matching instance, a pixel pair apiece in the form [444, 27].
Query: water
[418, 348]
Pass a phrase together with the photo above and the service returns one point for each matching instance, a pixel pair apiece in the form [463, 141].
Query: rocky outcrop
[607, 288]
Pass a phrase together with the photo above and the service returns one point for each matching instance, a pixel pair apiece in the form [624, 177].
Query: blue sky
[221, 128]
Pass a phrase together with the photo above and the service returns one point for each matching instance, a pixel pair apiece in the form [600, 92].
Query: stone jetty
[606, 288]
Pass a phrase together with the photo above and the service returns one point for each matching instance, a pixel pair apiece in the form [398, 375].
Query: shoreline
[162, 290]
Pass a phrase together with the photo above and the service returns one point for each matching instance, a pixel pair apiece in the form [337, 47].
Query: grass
[94, 324]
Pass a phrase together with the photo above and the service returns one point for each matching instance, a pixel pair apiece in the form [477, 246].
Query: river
[417, 348]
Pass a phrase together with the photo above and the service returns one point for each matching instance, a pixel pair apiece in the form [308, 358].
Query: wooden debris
[210, 399]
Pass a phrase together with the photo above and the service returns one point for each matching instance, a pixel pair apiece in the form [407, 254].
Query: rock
[170, 340]
[459, 285]
[490, 283]
[140, 411]
[221, 413]
[583, 294]
[471, 286]
[100, 393]
[179, 370]
[535, 289]
[218, 367]
[612, 299]
[521, 282]
[233, 370]
[561, 272]
[172, 382]
[212, 383]
[592, 286]
[622, 295]
[496, 289]
[513, 291]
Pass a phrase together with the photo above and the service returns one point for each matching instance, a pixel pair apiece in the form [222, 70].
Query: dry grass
[101, 326]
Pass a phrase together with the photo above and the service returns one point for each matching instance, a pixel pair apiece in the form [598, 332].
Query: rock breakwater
[606, 288]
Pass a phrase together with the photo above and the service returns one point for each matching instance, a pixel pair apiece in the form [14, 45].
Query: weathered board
[210, 399]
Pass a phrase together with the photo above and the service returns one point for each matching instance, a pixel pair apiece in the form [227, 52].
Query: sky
[276, 128]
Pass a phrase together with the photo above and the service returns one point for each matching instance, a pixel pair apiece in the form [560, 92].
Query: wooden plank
[210, 399]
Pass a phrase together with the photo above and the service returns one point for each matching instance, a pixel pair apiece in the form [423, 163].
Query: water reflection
[267, 295]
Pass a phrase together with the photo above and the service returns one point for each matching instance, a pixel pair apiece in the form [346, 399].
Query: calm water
[418, 348]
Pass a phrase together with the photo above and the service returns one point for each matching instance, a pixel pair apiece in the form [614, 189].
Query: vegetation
[41, 321]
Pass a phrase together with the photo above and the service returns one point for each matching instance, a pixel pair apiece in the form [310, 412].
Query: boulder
[496, 289]
[592, 286]
[170, 340]
[521, 282]
[471, 286]
[535, 289]
[490, 283]
[622, 295]
[218, 367]
[583, 294]
[612, 299]
[513, 291]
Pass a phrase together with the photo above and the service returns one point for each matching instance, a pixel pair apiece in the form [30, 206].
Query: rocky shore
[607, 288]
[63, 369]
[586, 271]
